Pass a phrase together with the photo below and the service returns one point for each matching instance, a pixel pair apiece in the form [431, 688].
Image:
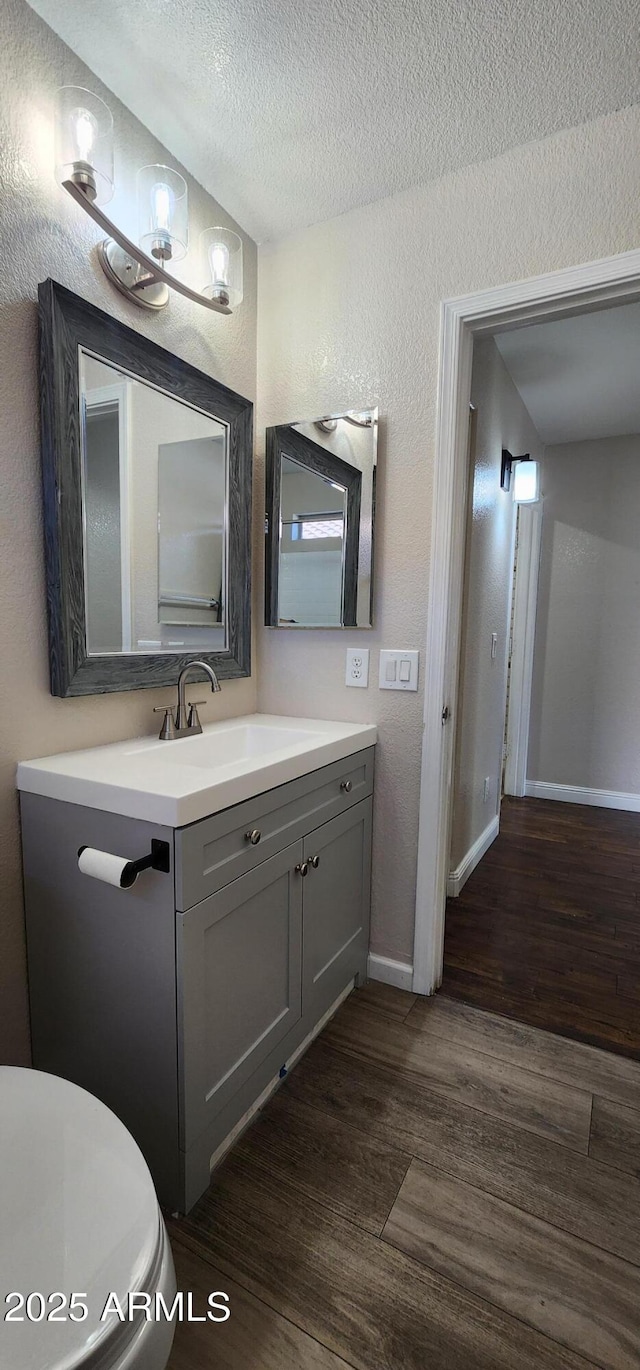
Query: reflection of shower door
[285, 442]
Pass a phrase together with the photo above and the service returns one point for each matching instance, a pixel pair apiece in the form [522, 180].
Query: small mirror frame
[68, 323]
[284, 441]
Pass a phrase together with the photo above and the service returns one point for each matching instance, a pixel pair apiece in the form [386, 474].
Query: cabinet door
[239, 983]
[336, 906]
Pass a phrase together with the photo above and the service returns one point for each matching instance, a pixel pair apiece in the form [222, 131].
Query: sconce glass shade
[526, 482]
[84, 143]
[222, 251]
[163, 213]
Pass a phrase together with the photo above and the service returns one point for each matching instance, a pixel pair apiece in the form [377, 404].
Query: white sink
[179, 782]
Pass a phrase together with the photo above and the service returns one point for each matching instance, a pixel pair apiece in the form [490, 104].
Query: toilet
[78, 1215]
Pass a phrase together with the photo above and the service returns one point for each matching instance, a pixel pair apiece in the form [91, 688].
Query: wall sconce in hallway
[526, 477]
[84, 168]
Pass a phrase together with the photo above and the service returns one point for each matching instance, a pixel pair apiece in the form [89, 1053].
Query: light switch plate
[398, 670]
[357, 673]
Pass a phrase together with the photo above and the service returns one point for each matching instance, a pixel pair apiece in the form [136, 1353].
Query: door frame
[558, 294]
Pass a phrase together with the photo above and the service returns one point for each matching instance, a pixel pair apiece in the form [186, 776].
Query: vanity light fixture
[84, 168]
[526, 477]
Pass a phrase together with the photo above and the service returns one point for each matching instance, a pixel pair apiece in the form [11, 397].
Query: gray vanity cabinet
[240, 972]
[179, 1000]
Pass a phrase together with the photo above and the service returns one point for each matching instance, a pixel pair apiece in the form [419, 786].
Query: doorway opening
[544, 878]
[562, 295]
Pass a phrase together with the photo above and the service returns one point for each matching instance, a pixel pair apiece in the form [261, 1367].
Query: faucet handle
[194, 721]
[168, 729]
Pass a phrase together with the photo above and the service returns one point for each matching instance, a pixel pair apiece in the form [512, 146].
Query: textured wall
[349, 314]
[501, 421]
[585, 708]
[45, 234]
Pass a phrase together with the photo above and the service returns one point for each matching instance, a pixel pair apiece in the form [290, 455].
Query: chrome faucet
[186, 722]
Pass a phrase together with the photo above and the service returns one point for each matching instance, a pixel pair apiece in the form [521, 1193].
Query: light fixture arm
[154, 273]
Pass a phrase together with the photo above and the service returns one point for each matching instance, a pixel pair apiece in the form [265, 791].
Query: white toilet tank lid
[79, 1215]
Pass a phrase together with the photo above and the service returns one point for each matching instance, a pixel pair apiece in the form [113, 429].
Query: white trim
[567, 292]
[390, 972]
[458, 877]
[582, 794]
[525, 606]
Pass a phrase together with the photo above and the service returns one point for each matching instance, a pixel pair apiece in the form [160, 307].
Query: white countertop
[179, 782]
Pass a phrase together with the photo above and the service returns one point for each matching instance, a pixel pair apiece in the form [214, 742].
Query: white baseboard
[581, 794]
[460, 875]
[390, 972]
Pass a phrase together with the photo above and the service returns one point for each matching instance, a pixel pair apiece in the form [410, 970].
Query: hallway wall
[585, 714]
[501, 421]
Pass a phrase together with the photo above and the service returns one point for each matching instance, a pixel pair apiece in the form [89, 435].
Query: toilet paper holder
[159, 859]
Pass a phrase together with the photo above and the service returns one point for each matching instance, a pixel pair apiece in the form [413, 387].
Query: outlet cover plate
[398, 670]
[357, 672]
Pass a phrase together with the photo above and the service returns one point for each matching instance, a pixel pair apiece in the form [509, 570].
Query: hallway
[433, 1186]
[547, 928]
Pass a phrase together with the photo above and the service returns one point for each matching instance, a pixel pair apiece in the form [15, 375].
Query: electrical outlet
[357, 674]
[487, 788]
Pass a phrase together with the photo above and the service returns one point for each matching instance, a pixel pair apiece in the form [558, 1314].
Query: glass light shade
[163, 213]
[526, 482]
[222, 251]
[84, 142]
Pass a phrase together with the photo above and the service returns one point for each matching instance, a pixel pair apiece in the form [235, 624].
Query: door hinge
[445, 715]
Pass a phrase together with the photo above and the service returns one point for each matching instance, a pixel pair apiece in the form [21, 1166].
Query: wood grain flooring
[547, 928]
[432, 1188]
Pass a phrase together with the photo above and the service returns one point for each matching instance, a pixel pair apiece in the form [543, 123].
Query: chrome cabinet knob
[302, 868]
[315, 862]
[253, 836]
[346, 786]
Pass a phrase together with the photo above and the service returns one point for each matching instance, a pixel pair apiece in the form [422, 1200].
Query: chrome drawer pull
[346, 786]
[315, 862]
[302, 868]
[253, 836]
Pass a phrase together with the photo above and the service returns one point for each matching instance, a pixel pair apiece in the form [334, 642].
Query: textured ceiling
[580, 377]
[290, 112]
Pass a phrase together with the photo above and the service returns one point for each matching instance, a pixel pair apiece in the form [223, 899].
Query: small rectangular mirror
[147, 470]
[321, 478]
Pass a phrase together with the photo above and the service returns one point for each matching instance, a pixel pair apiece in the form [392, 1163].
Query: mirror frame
[68, 323]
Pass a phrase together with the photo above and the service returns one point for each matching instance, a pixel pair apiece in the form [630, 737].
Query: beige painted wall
[337, 328]
[501, 421]
[45, 234]
[585, 707]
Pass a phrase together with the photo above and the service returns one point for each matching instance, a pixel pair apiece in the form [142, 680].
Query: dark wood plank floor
[433, 1188]
[547, 928]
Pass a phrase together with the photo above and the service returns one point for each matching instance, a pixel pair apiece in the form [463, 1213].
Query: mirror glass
[320, 523]
[154, 508]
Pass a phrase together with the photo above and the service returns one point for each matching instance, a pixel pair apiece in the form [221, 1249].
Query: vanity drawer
[215, 851]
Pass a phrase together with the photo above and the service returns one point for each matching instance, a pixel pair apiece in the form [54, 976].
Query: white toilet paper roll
[103, 865]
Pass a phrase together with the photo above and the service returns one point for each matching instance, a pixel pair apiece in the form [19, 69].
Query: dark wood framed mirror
[147, 475]
[320, 510]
